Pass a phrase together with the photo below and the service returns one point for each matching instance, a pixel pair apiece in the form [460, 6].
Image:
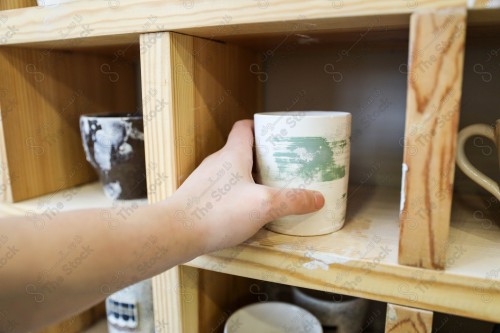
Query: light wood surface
[402, 319]
[194, 89]
[6, 176]
[210, 19]
[435, 68]
[43, 93]
[78, 197]
[159, 140]
[361, 259]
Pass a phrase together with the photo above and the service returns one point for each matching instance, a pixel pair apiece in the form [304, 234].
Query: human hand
[221, 202]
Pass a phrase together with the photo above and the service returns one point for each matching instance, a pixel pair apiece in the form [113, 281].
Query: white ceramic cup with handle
[466, 166]
[310, 150]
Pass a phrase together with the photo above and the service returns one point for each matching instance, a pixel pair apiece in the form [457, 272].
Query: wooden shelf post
[402, 319]
[435, 69]
[193, 91]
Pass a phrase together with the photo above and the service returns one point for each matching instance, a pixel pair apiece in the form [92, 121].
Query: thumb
[294, 202]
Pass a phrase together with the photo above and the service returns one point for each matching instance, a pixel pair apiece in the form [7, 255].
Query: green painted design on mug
[308, 158]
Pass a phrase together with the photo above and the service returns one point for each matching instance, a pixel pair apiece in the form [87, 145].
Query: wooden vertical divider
[402, 319]
[12, 4]
[193, 90]
[42, 95]
[435, 69]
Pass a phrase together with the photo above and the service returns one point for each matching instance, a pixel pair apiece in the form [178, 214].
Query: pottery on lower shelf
[345, 313]
[131, 309]
[114, 145]
[272, 317]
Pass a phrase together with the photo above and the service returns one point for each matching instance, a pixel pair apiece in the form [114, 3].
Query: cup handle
[466, 166]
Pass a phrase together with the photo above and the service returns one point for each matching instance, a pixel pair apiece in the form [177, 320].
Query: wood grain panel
[209, 19]
[401, 319]
[221, 295]
[79, 322]
[42, 95]
[13, 4]
[435, 69]
[159, 140]
[194, 90]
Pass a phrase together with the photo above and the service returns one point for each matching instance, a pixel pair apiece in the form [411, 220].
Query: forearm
[78, 258]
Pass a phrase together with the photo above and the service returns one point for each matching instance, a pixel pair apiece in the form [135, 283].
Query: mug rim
[308, 113]
[111, 115]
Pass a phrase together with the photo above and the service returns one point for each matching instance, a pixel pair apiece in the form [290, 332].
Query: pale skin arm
[98, 260]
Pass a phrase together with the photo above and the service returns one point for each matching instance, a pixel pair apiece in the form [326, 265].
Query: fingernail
[319, 200]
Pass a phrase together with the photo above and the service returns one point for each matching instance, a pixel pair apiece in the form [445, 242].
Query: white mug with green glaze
[305, 149]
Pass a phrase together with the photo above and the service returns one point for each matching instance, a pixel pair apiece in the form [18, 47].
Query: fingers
[241, 136]
[294, 202]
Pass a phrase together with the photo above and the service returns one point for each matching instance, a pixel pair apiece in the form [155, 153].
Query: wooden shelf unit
[201, 69]
[362, 259]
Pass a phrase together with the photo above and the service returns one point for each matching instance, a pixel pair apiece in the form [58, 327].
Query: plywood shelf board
[87, 24]
[361, 260]
[79, 197]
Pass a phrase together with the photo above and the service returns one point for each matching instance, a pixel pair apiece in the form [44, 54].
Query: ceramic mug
[114, 146]
[466, 166]
[310, 150]
[345, 313]
[131, 309]
[272, 317]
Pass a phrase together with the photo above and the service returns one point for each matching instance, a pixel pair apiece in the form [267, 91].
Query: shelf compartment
[42, 95]
[361, 259]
